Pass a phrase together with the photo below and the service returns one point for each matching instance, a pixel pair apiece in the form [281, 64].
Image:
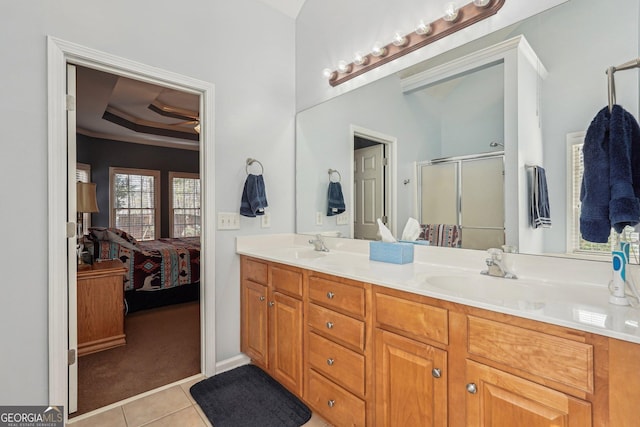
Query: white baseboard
[231, 363]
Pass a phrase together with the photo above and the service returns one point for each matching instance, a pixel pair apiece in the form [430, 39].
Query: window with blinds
[577, 244]
[184, 204]
[135, 201]
[83, 174]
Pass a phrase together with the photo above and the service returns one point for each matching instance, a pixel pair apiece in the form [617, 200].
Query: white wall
[207, 40]
[331, 30]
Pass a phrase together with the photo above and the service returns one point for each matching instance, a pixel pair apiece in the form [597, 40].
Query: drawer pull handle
[330, 295]
[436, 372]
[472, 388]
[330, 362]
[329, 325]
[271, 303]
[262, 298]
[331, 403]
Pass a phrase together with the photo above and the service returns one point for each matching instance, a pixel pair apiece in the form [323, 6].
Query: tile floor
[168, 407]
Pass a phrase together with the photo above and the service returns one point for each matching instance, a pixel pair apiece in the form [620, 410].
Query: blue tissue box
[396, 253]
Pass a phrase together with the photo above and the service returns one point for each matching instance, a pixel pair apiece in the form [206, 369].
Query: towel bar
[251, 161]
[331, 172]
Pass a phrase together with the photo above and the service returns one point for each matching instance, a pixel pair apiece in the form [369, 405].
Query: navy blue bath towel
[335, 205]
[540, 212]
[611, 180]
[254, 196]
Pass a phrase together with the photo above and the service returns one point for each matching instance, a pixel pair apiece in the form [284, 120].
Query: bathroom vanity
[365, 343]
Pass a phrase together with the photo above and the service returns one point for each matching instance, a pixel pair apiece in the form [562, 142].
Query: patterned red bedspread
[155, 264]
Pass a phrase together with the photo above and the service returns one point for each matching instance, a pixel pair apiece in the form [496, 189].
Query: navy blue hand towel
[335, 205]
[611, 180]
[594, 191]
[624, 169]
[254, 196]
[540, 212]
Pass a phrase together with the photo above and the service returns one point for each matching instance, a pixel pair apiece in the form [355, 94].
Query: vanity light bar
[425, 34]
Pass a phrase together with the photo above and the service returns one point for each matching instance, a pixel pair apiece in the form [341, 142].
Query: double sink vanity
[434, 342]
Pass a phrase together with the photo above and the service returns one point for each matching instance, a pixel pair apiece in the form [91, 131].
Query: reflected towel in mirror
[540, 214]
[335, 204]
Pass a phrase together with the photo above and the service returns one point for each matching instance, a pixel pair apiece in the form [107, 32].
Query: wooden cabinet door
[495, 398]
[254, 322]
[411, 382]
[285, 341]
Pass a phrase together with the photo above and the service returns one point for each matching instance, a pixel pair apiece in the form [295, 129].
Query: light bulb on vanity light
[400, 40]
[481, 3]
[344, 67]
[423, 29]
[450, 12]
[378, 51]
[329, 74]
[360, 59]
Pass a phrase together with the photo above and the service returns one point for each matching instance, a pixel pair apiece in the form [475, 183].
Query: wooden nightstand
[100, 307]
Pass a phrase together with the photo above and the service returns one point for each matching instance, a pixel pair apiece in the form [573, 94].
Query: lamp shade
[86, 197]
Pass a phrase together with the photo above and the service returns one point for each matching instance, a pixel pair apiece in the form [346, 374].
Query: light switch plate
[318, 218]
[228, 221]
[342, 219]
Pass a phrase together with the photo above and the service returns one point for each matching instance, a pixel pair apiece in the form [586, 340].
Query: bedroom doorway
[137, 144]
[62, 245]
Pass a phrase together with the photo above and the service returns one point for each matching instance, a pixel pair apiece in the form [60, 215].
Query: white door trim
[59, 53]
[391, 143]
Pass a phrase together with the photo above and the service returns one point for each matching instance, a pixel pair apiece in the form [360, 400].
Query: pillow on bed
[114, 235]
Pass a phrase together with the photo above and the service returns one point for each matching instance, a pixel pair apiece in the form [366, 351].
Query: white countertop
[565, 292]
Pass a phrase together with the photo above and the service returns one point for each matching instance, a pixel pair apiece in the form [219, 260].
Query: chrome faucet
[318, 244]
[496, 265]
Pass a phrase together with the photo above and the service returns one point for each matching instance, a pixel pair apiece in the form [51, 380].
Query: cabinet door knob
[330, 295]
[262, 298]
[330, 361]
[331, 403]
[271, 303]
[472, 388]
[329, 325]
[436, 372]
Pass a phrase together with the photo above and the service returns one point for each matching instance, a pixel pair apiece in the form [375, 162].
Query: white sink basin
[490, 289]
[308, 254]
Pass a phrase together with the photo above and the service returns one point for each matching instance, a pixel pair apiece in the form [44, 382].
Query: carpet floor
[163, 346]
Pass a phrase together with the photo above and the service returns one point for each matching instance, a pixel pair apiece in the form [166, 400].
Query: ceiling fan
[190, 117]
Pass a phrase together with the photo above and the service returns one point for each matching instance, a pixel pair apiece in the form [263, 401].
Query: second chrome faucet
[496, 265]
[318, 244]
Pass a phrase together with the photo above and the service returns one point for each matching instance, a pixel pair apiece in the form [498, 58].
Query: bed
[159, 272]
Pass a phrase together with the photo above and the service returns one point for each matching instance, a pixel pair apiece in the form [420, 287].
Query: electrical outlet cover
[266, 220]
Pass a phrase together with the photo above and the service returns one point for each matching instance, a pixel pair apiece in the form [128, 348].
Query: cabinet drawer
[255, 271]
[414, 319]
[340, 364]
[345, 298]
[286, 281]
[550, 357]
[336, 326]
[334, 403]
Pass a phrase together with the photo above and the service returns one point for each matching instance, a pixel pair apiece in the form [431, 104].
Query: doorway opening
[137, 146]
[62, 256]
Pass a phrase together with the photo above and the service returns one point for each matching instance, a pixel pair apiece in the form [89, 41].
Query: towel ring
[251, 161]
[331, 172]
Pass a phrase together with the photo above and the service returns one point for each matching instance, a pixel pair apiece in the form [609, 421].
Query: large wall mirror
[575, 42]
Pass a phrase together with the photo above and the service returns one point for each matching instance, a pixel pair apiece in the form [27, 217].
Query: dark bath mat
[247, 397]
